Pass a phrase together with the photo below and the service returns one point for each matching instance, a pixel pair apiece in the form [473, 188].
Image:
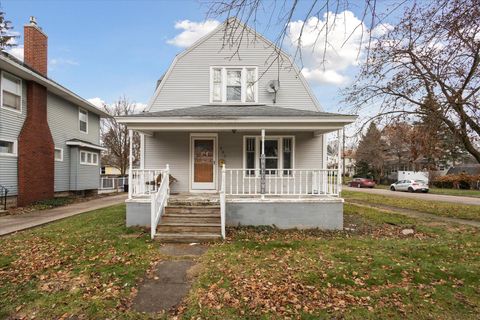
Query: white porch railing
[159, 201]
[286, 182]
[145, 181]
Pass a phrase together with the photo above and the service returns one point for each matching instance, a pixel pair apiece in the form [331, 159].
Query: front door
[203, 163]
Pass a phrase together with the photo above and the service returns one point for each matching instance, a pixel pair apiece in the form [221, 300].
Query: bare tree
[283, 13]
[115, 136]
[427, 66]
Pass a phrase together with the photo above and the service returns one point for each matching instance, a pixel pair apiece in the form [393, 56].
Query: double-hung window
[83, 120]
[234, 85]
[11, 92]
[278, 155]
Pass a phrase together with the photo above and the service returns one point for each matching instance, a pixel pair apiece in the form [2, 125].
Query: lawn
[89, 266]
[86, 266]
[445, 191]
[445, 209]
[370, 271]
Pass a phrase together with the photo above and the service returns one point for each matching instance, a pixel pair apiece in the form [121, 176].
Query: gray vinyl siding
[173, 148]
[188, 83]
[64, 126]
[82, 176]
[11, 124]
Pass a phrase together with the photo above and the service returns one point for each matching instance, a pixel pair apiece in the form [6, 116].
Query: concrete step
[199, 228]
[187, 237]
[192, 209]
[186, 218]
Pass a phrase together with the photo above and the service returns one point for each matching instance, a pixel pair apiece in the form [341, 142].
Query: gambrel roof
[257, 36]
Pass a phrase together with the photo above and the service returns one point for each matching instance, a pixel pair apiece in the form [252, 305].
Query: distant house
[470, 169]
[49, 136]
[238, 133]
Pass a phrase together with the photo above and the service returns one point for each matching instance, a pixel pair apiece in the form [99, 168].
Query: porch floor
[214, 198]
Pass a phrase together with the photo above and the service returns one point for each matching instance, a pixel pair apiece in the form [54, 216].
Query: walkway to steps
[190, 218]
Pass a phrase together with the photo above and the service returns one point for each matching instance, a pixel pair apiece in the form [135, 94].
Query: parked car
[362, 183]
[410, 186]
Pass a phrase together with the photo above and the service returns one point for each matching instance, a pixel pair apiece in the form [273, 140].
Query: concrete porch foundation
[284, 213]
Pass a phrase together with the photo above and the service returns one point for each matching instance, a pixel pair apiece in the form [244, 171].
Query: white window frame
[79, 113]
[1, 93]
[91, 163]
[258, 146]
[224, 70]
[15, 148]
[61, 154]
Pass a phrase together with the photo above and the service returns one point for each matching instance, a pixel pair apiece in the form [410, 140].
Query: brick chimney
[36, 164]
[35, 47]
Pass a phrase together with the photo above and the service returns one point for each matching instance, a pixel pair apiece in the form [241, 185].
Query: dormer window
[234, 85]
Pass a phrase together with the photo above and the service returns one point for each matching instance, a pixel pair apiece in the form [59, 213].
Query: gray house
[49, 136]
[244, 139]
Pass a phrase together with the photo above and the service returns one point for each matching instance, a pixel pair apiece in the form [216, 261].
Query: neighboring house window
[103, 170]
[11, 92]
[233, 84]
[89, 158]
[83, 120]
[278, 154]
[8, 147]
[58, 154]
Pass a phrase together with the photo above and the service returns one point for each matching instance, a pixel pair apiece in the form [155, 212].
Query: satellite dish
[273, 86]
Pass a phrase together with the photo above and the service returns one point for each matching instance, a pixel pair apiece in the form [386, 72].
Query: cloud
[17, 52]
[327, 56]
[192, 31]
[97, 102]
[61, 62]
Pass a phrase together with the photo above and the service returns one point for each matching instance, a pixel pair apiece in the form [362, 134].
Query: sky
[104, 49]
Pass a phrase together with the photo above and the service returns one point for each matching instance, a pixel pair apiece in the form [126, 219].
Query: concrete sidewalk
[14, 223]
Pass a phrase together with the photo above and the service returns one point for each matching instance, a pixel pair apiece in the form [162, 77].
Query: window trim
[243, 99]
[1, 93]
[258, 145]
[61, 154]
[86, 157]
[15, 148]
[79, 112]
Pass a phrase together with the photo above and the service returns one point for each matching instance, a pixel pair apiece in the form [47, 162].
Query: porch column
[262, 167]
[130, 163]
[340, 154]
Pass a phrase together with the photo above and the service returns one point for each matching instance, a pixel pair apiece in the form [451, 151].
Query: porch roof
[236, 111]
[238, 117]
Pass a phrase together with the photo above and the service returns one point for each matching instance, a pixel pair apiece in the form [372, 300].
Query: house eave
[25, 73]
[85, 145]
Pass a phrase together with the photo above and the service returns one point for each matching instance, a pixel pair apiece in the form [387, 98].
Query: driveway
[419, 196]
[13, 223]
